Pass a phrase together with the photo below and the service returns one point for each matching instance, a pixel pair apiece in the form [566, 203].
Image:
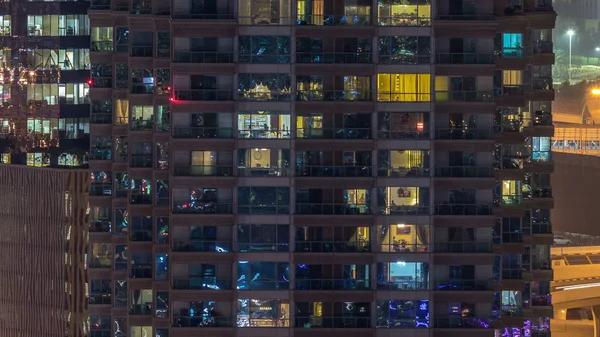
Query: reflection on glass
[402, 275]
[263, 200]
[263, 238]
[254, 275]
[403, 314]
[332, 277]
[333, 239]
[403, 87]
[403, 163]
[264, 12]
[257, 313]
[264, 87]
[404, 13]
[264, 124]
[263, 162]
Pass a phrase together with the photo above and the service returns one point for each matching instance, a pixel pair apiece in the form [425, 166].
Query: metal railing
[464, 58]
[334, 57]
[334, 95]
[202, 57]
[203, 170]
[462, 247]
[332, 209]
[463, 209]
[333, 246]
[333, 171]
[332, 284]
[203, 95]
[203, 133]
[464, 172]
[464, 96]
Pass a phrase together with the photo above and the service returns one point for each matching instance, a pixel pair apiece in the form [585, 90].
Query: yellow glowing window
[122, 112]
[512, 77]
[441, 88]
[404, 87]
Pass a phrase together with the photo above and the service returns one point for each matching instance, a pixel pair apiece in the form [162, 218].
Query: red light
[172, 99]
[90, 82]
[169, 88]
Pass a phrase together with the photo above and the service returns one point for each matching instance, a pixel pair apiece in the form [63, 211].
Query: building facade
[43, 218]
[305, 167]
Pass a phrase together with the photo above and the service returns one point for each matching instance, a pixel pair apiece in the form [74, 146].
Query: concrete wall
[576, 191]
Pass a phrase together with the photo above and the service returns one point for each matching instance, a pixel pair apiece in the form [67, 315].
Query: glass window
[141, 302]
[255, 313]
[263, 238]
[403, 238]
[341, 13]
[541, 149]
[5, 28]
[402, 275]
[404, 87]
[141, 331]
[403, 314]
[254, 275]
[263, 162]
[512, 45]
[403, 125]
[264, 87]
[403, 163]
[264, 124]
[403, 200]
[512, 77]
[264, 12]
[330, 239]
[404, 50]
[102, 39]
[161, 267]
[337, 201]
[263, 49]
[263, 200]
[404, 12]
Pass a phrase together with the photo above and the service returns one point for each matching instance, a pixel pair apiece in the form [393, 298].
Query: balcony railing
[202, 133]
[333, 171]
[263, 171]
[402, 247]
[333, 246]
[345, 322]
[202, 57]
[142, 51]
[398, 172]
[203, 170]
[203, 95]
[462, 285]
[100, 226]
[101, 118]
[203, 207]
[203, 246]
[464, 96]
[343, 57]
[464, 172]
[463, 247]
[459, 322]
[202, 321]
[467, 134]
[464, 58]
[203, 16]
[334, 95]
[333, 20]
[332, 209]
[543, 47]
[200, 283]
[96, 299]
[404, 210]
[335, 284]
[334, 133]
[463, 209]
[263, 247]
[402, 285]
[141, 160]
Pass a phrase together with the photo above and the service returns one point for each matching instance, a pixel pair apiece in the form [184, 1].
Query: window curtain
[318, 9]
[245, 12]
[404, 87]
[285, 12]
[424, 88]
[122, 110]
[422, 232]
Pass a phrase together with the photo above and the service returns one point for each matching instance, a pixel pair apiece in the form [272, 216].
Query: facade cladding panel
[43, 219]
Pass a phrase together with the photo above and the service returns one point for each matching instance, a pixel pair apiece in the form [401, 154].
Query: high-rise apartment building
[44, 181]
[318, 167]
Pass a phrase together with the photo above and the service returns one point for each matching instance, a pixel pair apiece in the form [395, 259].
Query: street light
[570, 32]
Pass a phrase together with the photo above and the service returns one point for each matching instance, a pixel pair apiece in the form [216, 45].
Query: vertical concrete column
[596, 315]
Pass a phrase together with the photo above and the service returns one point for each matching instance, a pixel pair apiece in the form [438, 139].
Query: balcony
[334, 57]
[345, 322]
[328, 285]
[100, 226]
[465, 17]
[463, 285]
[362, 246]
[333, 171]
[334, 95]
[463, 209]
[202, 57]
[464, 134]
[543, 47]
[203, 322]
[202, 207]
[333, 20]
[464, 58]
[463, 247]
[203, 171]
[190, 246]
[332, 209]
[140, 160]
[464, 172]
[202, 133]
[203, 95]
[458, 322]
[333, 133]
[201, 283]
[464, 96]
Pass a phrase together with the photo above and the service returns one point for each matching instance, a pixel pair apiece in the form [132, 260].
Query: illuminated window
[512, 45]
[5, 25]
[404, 87]
[264, 12]
[38, 159]
[122, 112]
[404, 13]
[511, 192]
[512, 77]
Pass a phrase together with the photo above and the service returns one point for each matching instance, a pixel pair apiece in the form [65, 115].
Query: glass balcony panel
[403, 200]
[263, 238]
[264, 125]
[463, 247]
[464, 58]
[464, 172]
[403, 238]
[402, 275]
[254, 275]
[412, 13]
[263, 162]
[333, 202]
[325, 239]
[463, 285]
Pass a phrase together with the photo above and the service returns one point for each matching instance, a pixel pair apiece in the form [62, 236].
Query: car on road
[561, 241]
